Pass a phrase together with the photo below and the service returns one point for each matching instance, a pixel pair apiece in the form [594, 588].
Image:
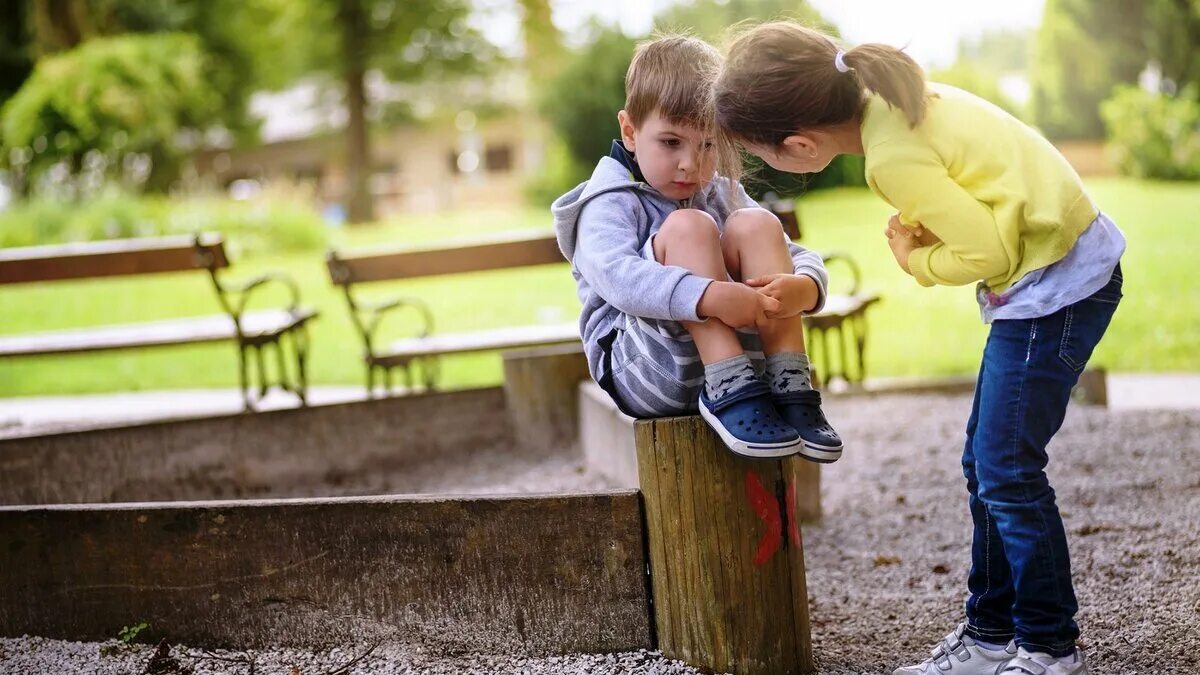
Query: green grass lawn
[914, 331]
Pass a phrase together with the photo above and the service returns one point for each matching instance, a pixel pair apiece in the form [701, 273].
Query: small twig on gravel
[353, 661]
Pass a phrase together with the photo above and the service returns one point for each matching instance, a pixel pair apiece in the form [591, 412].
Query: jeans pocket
[1084, 323]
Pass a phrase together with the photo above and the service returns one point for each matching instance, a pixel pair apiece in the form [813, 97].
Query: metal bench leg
[243, 376]
[370, 381]
[431, 366]
[300, 345]
[285, 382]
[859, 324]
[262, 371]
[844, 354]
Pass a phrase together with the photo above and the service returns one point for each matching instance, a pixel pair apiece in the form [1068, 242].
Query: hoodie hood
[618, 171]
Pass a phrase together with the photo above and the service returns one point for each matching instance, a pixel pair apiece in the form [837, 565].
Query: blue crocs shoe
[802, 410]
[748, 424]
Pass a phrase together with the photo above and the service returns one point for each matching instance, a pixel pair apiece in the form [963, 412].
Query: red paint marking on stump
[766, 507]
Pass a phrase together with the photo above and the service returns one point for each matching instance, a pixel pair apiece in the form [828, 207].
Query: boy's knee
[687, 227]
[752, 223]
[689, 223]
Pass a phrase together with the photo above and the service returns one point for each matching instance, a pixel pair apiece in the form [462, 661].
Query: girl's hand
[796, 293]
[902, 241]
[924, 236]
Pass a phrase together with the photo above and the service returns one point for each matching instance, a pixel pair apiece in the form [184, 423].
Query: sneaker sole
[751, 450]
[819, 453]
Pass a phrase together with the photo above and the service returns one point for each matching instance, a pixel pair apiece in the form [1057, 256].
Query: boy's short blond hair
[671, 74]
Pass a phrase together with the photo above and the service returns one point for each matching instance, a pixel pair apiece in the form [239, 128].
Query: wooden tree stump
[805, 476]
[541, 388]
[1092, 387]
[726, 554]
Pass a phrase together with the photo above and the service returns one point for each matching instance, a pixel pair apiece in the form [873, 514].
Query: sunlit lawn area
[914, 331]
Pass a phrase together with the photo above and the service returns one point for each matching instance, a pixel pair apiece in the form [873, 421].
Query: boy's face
[676, 159]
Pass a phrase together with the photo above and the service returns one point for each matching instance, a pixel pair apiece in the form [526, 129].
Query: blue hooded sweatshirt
[602, 226]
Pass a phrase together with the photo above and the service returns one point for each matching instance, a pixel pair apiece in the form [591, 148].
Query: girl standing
[984, 199]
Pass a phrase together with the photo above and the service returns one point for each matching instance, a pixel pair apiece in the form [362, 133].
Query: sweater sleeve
[922, 190]
[608, 255]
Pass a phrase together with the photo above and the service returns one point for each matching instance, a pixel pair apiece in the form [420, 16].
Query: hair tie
[840, 63]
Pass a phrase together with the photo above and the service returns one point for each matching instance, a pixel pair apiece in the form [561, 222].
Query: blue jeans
[1020, 581]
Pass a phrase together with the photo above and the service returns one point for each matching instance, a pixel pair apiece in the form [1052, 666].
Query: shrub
[273, 222]
[1154, 135]
[110, 99]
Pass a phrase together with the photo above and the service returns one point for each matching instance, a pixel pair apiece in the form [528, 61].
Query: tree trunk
[59, 25]
[353, 20]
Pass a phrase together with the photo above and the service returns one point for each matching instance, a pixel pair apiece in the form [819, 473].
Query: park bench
[423, 349]
[253, 331]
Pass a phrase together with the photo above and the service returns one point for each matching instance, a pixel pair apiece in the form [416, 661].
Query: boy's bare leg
[754, 247]
[689, 239]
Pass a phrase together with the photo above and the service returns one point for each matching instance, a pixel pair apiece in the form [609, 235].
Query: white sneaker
[1037, 663]
[959, 655]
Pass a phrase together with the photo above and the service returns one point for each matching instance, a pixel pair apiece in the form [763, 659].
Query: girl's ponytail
[892, 74]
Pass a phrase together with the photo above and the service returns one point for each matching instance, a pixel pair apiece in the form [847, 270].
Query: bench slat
[486, 340]
[845, 305]
[489, 255]
[837, 307]
[170, 332]
[117, 257]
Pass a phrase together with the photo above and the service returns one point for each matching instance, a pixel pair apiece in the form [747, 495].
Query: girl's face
[676, 159]
[802, 153]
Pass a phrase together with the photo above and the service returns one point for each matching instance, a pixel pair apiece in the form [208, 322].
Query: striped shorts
[655, 368]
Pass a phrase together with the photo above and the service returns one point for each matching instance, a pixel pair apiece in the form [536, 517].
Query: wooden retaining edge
[1091, 389]
[279, 453]
[538, 574]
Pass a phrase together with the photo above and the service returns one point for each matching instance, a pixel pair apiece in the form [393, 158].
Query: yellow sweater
[1003, 201]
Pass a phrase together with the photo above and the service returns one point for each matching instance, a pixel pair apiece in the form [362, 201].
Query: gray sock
[722, 377]
[788, 372]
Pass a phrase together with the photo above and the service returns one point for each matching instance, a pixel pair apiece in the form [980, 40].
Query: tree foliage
[113, 97]
[581, 103]
[1154, 135]
[1085, 48]
[16, 60]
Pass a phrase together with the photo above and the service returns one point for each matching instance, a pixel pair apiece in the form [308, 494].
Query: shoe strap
[809, 397]
[952, 645]
[752, 390]
[1023, 666]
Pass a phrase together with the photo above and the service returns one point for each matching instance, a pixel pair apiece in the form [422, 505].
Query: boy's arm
[970, 248]
[607, 255]
[809, 263]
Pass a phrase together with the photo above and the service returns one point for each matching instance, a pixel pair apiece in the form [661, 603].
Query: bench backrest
[476, 256]
[117, 257]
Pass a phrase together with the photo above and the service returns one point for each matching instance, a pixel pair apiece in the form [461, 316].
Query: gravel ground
[886, 567]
